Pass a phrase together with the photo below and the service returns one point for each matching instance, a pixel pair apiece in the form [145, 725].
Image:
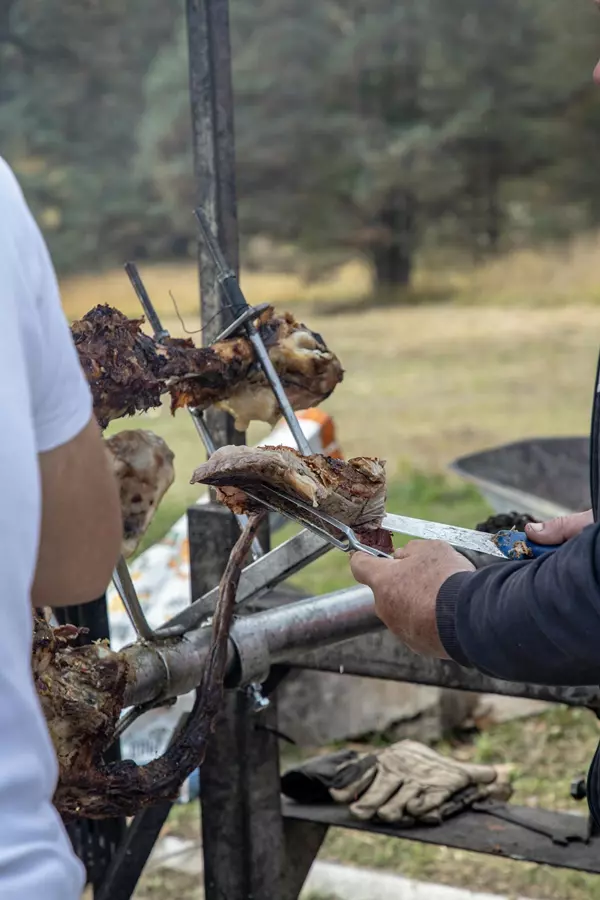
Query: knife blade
[466, 538]
[507, 544]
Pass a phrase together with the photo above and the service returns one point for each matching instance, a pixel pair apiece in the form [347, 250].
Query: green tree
[71, 77]
[365, 127]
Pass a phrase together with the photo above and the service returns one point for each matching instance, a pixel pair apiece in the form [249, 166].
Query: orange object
[327, 430]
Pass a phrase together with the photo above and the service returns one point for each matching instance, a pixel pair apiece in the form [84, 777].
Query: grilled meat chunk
[143, 465]
[353, 492]
[81, 690]
[128, 371]
[120, 363]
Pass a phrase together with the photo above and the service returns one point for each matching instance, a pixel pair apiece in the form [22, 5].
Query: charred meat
[308, 370]
[81, 690]
[353, 492]
[120, 363]
[128, 371]
[143, 466]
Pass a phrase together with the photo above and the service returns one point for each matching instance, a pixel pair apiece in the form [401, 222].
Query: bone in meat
[143, 466]
[353, 491]
[128, 371]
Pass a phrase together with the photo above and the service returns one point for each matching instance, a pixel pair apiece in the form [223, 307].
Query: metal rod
[236, 300]
[258, 578]
[256, 643]
[126, 590]
[147, 305]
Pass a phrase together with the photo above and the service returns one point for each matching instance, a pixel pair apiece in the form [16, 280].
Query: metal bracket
[257, 578]
[249, 315]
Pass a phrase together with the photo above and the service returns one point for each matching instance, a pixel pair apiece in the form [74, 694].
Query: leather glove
[413, 782]
[406, 784]
[341, 776]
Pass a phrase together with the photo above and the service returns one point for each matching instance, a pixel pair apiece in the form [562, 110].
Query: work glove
[406, 784]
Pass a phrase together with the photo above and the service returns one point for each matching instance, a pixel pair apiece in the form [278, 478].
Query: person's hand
[406, 589]
[561, 529]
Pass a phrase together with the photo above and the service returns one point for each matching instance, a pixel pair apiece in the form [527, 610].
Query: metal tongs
[305, 514]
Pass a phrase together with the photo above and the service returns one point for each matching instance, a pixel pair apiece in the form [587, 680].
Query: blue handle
[516, 545]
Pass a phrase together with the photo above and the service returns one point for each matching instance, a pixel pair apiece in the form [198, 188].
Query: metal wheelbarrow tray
[544, 477]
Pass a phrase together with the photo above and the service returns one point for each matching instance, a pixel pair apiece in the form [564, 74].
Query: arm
[529, 621]
[81, 526]
[536, 621]
[81, 522]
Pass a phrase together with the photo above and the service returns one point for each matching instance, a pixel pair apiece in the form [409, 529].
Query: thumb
[559, 530]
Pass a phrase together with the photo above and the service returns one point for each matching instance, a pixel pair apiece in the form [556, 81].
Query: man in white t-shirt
[60, 531]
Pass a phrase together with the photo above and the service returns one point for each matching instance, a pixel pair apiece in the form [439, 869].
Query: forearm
[82, 528]
[534, 621]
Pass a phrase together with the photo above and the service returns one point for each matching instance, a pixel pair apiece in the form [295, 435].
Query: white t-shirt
[44, 402]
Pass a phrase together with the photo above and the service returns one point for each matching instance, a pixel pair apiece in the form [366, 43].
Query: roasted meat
[353, 492]
[143, 465]
[81, 690]
[120, 362]
[308, 371]
[128, 371]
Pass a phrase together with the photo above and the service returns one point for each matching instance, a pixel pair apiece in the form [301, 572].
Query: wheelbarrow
[544, 477]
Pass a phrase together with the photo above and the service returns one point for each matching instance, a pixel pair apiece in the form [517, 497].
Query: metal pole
[242, 826]
[257, 641]
[214, 167]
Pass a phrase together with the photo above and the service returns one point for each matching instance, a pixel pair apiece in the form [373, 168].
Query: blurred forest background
[379, 130]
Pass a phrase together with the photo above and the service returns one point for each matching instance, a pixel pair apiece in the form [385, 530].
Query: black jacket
[535, 621]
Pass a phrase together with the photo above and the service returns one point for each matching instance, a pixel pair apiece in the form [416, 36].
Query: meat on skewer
[353, 492]
[128, 371]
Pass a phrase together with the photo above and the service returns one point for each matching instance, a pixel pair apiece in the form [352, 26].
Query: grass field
[501, 353]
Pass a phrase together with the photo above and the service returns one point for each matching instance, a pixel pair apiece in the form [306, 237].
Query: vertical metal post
[211, 99]
[241, 816]
[242, 827]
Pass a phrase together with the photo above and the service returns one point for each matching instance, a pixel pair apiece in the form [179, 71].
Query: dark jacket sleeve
[534, 621]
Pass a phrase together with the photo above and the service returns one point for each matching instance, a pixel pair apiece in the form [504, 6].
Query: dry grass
[557, 274]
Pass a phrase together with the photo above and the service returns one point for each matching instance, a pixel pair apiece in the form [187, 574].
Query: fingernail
[536, 526]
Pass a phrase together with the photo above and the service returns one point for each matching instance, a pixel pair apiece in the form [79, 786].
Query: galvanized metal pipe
[257, 642]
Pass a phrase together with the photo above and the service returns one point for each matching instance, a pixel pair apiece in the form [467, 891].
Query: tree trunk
[392, 251]
[392, 265]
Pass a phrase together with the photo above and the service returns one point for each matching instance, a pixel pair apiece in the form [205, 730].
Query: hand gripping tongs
[306, 515]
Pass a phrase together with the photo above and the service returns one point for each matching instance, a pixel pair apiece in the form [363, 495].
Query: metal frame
[253, 845]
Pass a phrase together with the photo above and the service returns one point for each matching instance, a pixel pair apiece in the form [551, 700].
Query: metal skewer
[130, 600]
[236, 300]
[201, 427]
[161, 334]
[126, 591]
